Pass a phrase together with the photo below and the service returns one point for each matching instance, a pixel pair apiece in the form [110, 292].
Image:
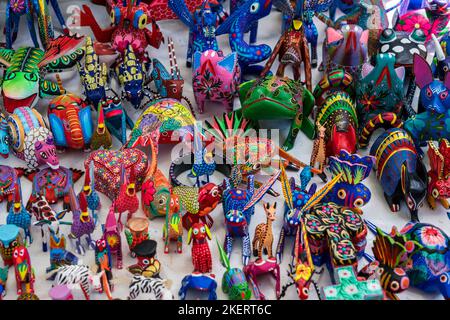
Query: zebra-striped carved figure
[78, 275]
[152, 288]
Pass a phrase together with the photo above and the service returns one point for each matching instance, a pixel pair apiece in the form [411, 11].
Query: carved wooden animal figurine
[292, 50]
[173, 227]
[439, 174]
[318, 154]
[201, 255]
[263, 238]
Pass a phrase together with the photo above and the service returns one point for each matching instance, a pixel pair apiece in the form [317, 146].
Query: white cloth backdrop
[176, 266]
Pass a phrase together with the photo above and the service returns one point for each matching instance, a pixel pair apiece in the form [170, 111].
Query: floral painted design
[432, 237]
[414, 20]
[17, 6]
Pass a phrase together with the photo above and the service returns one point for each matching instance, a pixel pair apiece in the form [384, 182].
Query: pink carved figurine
[201, 255]
[215, 78]
[260, 267]
[112, 235]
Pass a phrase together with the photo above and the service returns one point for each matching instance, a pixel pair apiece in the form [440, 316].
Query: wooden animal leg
[394, 204]
[432, 202]
[296, 71]
[276, 275]
[59, 16]
[180, 244]
[280, 245]
[166, 239]
[255, 244]
[246, 249]
[445, 203]
[44, 239]
[30, 22]
[280, 70]
[293, 131]
[228, 245]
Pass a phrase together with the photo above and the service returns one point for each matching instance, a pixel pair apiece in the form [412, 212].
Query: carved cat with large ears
[434, 94]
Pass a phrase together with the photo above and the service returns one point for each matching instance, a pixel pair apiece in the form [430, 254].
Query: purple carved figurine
[83, 224]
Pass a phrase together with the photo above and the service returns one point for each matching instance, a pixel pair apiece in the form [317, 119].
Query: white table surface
[176, 266]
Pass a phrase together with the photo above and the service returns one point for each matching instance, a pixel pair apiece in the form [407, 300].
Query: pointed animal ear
[189, 237]
[229, 62]
[73, 200]
[404, 176]
[447, 80]
[400, 71]
[364, 39]
[422, 71]
[333, 35]
[366, 69]
[208, 232]
[275, 205]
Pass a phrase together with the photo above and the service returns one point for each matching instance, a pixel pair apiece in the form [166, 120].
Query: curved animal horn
[439, 52]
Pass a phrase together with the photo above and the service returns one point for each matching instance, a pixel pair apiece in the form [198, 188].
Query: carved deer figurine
[263, 238]
[318, 154]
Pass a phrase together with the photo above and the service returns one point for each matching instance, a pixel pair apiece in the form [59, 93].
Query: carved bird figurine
[101, 137]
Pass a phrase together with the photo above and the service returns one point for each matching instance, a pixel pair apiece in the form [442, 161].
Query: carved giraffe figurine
[263, 238]
[318, 154]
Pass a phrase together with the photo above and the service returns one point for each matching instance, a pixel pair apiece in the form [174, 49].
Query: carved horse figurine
[263, 238]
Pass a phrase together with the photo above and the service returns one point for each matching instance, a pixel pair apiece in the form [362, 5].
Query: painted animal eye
[214, 192]
[195, 231]
[429, 93]
[410, 203]
[31, 77]
[380, 271]
[140, 20]
[443, 278]
[445, 68]
[257, 166]
[435, 193]
[202, 229]
[43, 155]
[305, 292]
[358, 202]
[341, 194]
[10, 76]
[443, 95]
[254, 7]
[16, 254]
[146, 261]
[21, 253]
[394, 286]
[115, 15]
